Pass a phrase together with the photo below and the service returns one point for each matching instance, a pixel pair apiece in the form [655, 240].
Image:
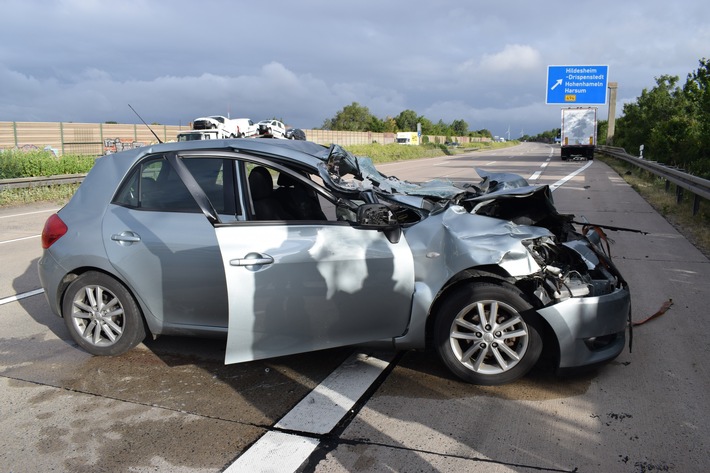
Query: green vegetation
[671, 122]
[15, 164]
[548, 136]
[396, 152]
[59, 194]
[355, 117]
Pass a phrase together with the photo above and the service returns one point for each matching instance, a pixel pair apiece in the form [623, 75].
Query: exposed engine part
[565, 274]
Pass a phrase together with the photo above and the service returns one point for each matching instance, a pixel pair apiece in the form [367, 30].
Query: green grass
[16, 163]
[59, 194]
[696, 228]
[396, 152]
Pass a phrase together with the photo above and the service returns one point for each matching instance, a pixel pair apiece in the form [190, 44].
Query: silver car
[287, 246]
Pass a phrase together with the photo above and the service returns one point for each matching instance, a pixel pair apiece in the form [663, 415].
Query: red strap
[664, 308]
[602, 236]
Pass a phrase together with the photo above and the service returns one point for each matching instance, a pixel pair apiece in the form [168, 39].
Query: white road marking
[535, 175]
[20, 239]
[275, 452]
[557, 184]
[29, 213]
[17, 297]
[318, 413]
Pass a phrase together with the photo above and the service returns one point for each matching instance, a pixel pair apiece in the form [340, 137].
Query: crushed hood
[504, 196]
[350, 173]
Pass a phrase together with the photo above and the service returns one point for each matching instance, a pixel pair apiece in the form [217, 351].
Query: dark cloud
[84, 60]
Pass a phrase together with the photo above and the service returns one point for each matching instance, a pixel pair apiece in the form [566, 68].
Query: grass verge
[395, 152]
[696, 228]
[59, 194]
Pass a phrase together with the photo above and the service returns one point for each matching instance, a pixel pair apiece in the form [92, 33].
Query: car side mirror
[379, 217]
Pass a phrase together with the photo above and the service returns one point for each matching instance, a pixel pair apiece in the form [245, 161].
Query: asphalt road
[171, 405]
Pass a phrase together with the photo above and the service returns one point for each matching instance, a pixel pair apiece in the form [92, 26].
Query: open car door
[296, 286]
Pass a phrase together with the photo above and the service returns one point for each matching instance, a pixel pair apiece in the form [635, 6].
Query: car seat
[266, 206]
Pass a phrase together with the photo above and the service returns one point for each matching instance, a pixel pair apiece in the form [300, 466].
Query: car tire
[484, 351]
[101, 315]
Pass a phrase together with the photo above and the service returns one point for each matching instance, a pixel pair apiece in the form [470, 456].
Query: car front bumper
[590, 330]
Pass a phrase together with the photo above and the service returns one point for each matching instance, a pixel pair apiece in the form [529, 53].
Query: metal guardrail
[700, 188]
[25, 182]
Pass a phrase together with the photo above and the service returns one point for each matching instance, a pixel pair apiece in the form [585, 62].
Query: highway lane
[66, 410]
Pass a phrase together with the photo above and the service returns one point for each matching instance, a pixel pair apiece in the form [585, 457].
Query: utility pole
[612, 114]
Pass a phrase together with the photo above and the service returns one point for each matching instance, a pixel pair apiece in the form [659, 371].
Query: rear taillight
[54, 229]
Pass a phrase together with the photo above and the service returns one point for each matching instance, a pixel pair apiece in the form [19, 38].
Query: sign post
[575, 85]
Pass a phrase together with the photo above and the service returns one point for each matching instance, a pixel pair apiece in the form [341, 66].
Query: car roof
[296, 151]
[109, 170]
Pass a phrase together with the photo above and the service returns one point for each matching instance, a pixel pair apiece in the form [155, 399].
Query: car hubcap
[489, 337]
[97, 315]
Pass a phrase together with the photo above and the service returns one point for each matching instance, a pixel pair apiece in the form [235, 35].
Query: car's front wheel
[487, 334]
[101, 315]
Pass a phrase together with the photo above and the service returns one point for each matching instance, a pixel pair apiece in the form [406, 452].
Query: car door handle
[252, 259]
[126, 238]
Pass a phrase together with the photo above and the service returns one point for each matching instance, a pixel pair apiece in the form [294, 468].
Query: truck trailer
[212, 134]
[579, 133]
[408, 138]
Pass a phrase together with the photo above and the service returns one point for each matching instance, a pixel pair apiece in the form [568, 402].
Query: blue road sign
[572, 85]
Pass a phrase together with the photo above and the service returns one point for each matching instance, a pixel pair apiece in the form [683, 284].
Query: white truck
[578, 133]
[231, 127]
[408, 138]
[213, 134]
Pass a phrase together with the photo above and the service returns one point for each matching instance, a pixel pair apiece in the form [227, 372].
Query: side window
[278, 195]
[154, 185]
[215, 177]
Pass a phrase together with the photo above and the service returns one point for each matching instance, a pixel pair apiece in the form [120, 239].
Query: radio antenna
[151, 130]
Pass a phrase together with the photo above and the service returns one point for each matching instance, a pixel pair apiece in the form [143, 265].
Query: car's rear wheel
[487, 334]
[101, 315]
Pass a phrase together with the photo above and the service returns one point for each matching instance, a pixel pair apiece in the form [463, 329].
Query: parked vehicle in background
[271, 129]
[230, 127]
[295, 134]
[408, 138]
[194, 135]
[579, 132]
[287, 246]
[245, 127]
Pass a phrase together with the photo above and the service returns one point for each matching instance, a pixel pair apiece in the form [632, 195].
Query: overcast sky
[304, 60]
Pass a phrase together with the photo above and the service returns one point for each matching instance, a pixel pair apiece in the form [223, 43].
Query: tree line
[356, 117]
[671, 121]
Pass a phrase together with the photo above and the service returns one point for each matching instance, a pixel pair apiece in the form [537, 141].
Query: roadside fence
[97, 139]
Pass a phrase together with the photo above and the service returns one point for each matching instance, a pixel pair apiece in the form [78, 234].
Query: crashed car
[286, 246]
